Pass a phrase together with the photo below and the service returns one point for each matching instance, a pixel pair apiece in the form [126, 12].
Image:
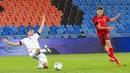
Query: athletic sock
[42, 51]
[111, 52]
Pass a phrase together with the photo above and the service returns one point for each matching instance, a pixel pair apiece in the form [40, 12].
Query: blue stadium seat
[123, 16]
[84, 29]
[109, 6]
[109, 13]
[22, 30]
[91, 24]
[117, 2]
[113, 31]
[53, 30]
[85, 22]
[87, 11]
[116, 12]
[116, 7]
[6, 31]
[69, 29]
[123, 7]
[122, 21]
[129, 9]
[124, 2]
[90, 2]
[75, 2]
[85, 17]
[91, 31]
[123, 12]
[82, 7]
[120, 26]
[77, 29]
[1, 29]
[97, 2]
[61, 29]
[45, 30]
[88, 8]
[36, 28]
[29, 27]
[120, 31]
[13, 30]
[82, 2]
[128, 16]
[104, 2]
[128, 2]
[127, 22]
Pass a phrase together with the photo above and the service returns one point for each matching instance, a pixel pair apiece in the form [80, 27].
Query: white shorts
[41, 57]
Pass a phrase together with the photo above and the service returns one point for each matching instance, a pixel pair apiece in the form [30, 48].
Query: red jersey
[102, 21]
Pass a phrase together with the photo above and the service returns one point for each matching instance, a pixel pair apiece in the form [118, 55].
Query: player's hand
[110, 28]
[4, 40]
[118, 15]
[43, 17]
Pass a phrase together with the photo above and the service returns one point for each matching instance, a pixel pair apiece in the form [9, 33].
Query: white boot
[40, 67]
[47, 49]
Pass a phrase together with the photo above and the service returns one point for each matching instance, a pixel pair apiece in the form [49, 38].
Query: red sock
[111, 51]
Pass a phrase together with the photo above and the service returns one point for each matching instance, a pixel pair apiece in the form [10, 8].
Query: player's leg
[106, 48]
[103, 43]
[40, 57]
[111, 51]
[46, 49]
[110, 48]
[43, 63]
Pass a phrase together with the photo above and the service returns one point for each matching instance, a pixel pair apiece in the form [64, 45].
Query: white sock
[43, 50]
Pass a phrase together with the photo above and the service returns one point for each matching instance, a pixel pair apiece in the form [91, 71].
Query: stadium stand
[66, 19]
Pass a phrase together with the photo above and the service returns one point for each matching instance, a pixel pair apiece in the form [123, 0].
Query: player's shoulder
[35, 34]
[95, 17]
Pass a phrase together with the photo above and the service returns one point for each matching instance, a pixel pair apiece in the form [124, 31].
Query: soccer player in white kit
[32, 44]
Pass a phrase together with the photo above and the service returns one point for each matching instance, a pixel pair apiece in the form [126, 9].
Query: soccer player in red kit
[103, 32]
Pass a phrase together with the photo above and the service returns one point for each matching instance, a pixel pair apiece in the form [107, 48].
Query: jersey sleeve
[95, 21]
[107, 18]
[22, 42]
[37, 35]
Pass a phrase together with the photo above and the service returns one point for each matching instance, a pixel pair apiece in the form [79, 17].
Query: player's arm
[113, 19]
[11, 43]
[103, 28]
[42, 25]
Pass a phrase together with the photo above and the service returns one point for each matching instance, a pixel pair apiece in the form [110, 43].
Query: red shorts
[103, 38]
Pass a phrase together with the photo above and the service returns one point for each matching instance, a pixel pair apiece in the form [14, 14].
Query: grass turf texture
[77, 63]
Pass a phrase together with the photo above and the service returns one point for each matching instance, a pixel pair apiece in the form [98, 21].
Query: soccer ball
[58, 66]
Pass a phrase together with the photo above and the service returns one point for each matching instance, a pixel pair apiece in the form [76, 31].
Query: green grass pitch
[75, 63]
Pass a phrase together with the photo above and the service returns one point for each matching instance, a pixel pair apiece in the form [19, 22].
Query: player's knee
[46, 65]
[106, 48]
[38, 51]
[109, 45]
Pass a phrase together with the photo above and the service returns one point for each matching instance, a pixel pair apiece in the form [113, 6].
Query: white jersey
[31, 43]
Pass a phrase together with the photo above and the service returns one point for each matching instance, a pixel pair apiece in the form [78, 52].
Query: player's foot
[117, 62]
[40, 67]
[112, 60]
[47, 49]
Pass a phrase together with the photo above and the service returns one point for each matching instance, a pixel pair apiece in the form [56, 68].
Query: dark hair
[29, 29]
[100, 8]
